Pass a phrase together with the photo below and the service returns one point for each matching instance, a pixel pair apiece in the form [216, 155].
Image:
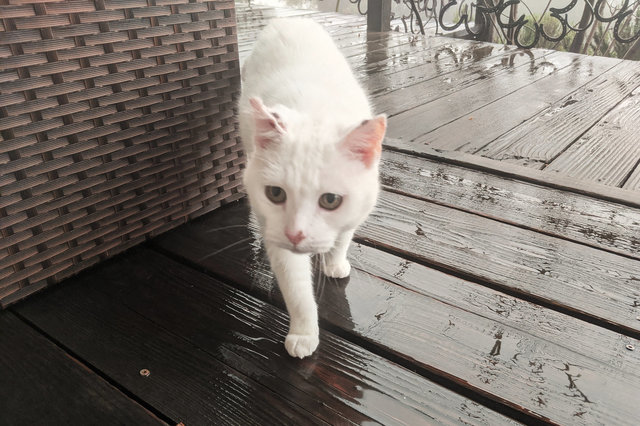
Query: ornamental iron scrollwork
[596, 27]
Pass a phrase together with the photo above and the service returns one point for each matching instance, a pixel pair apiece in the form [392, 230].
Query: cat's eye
[330, 201]
[275, 194]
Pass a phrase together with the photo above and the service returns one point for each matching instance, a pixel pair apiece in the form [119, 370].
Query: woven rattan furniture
[116, 124]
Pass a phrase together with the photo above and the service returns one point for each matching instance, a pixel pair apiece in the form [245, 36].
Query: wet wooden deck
[545, 114]
[479, 294]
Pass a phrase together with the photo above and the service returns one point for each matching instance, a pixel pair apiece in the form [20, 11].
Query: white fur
[305, 82]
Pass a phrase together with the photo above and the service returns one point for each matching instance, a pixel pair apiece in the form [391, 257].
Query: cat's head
[310, 181]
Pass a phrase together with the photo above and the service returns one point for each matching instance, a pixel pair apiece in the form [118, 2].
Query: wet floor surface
[478, 295]
[553, 114]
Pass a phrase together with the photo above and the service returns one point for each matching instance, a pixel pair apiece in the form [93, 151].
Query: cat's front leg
[293, 272]
[335, 263]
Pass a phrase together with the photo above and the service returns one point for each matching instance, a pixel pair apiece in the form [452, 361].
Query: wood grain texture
[186, 383]
[634, 180]
[474, 65]
[418, 125]
[546, 324]
[486, 349]
[524, 174]
[544, 136]
[41, 384]
[604, 286]
[479, 127]
[609, 151]
[340, 384]
[576, 217]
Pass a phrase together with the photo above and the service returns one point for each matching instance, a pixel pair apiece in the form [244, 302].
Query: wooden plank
[375, 42]
[341, 383]
[603, 289]
[448, 123]
[598, 223]
[474, 66]
[376, 66]
[491, 344]
[634, 180]
[480, 124]
[514, 171]
[542, 137]
[609, 151]
[43, 384]
[428, 58]
[186, 384]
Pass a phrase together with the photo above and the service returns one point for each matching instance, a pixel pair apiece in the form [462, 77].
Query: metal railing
[595, 27]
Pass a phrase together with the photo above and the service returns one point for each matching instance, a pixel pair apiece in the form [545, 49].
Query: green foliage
[552, 27]
[604, 44]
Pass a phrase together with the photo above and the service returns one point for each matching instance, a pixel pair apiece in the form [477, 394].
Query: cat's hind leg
[293, 272]
[335, 263]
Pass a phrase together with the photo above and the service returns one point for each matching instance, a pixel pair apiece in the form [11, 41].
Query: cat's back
[295, 63]
[293, 42]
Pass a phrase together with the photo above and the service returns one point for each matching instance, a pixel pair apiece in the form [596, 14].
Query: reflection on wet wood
[473, 66]
[41, 384]
[479, 127]
[376, 69]
[186, 384]
[425, 124]
[524, 371]
[435, 57]
[601, 224]
[597, 285]
[340, 384]
[539, 140]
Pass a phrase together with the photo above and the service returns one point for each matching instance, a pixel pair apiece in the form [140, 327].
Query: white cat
[313, 150]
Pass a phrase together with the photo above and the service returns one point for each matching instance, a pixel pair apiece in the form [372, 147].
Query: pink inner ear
[269, 125]
[365, 141]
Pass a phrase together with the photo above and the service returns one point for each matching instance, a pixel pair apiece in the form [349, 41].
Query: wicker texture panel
[116, 124]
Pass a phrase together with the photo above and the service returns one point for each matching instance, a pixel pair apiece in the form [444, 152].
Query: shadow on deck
[478, 295]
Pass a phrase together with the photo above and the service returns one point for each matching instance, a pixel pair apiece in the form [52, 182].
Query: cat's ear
[269, 125]
[365, 141]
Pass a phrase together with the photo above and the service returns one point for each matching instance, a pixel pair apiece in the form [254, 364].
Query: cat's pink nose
[295, 238]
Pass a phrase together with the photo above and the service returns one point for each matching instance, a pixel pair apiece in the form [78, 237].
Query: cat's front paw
[339, 269]
[301, 345]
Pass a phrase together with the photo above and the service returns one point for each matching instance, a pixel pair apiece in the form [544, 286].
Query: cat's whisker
[242, 241]
[322, 281]
[222, 228]
[323, 262]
